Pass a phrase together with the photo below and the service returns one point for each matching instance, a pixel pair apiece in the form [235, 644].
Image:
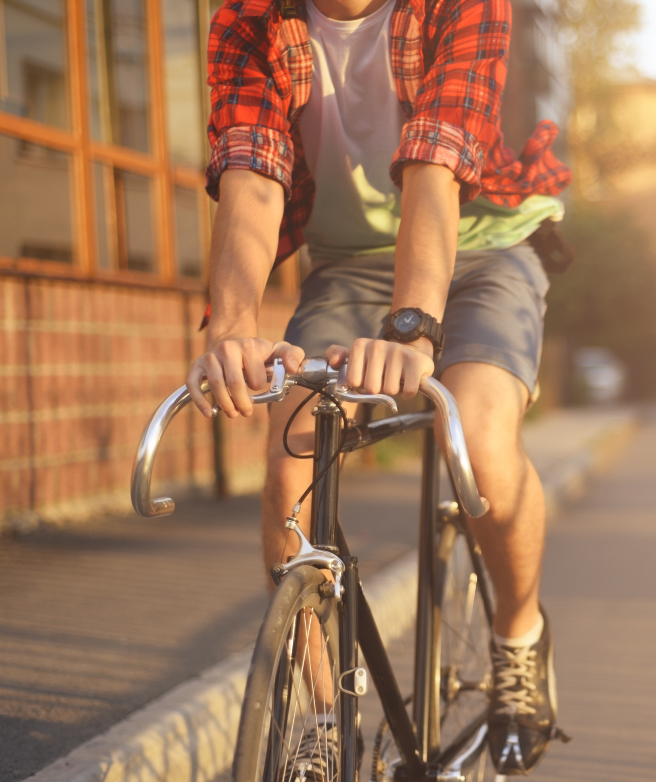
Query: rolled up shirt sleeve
[248, 126]
[456, 114]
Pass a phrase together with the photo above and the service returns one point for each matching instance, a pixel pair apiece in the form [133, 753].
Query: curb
[189, 733]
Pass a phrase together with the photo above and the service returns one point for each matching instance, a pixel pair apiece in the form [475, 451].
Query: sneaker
[317, 756]
[522, 721]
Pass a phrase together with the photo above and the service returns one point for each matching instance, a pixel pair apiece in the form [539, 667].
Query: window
[33, 60]
[118, 72]
[36, 220]
[105, 215]
[102, 146]
[182, 82]
[188, 233]
[134, 221]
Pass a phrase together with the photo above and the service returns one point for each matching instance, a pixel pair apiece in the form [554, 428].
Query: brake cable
[332, 459]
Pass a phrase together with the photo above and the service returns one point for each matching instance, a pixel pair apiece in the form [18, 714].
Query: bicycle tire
[270, 723]
[463, 638]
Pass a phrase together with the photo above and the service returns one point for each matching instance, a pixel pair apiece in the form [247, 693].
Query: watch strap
[428, 327]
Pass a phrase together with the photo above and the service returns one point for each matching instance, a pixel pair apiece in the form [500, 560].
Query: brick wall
[83, 366]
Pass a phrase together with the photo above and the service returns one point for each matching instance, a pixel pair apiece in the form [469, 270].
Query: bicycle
[288, 688]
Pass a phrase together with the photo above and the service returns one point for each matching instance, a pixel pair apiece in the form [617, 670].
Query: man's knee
[500, 468]
[492, 403]
[495, 456]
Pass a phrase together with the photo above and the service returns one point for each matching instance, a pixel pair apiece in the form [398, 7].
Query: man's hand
[388, 367]
[232, 366]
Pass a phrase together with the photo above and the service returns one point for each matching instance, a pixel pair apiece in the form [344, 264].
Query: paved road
[599, 588]
[99, 619]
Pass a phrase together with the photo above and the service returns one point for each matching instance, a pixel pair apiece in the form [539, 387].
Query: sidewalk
[98, 620]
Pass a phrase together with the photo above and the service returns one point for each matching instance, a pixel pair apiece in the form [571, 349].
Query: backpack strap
[551, 247]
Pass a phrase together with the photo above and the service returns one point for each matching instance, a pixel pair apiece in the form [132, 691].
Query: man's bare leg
[492, 403]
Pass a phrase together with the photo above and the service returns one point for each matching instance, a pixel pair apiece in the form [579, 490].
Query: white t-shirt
[351, 128]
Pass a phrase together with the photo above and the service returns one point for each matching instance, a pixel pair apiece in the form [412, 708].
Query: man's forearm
[428, 238]
[244, 243]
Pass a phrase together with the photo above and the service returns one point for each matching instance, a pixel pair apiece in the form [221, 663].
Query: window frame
[85, 152]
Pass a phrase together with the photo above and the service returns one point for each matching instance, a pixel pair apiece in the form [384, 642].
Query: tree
[608, 297]
[595, 34]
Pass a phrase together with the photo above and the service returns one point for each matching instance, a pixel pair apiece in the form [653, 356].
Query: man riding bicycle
[370, 130]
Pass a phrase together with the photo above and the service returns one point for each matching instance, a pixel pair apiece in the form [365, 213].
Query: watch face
[406, 321]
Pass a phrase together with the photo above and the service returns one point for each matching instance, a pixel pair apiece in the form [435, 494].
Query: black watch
[410, 323]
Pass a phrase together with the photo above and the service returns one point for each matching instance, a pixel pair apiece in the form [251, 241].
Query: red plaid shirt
[449, 59]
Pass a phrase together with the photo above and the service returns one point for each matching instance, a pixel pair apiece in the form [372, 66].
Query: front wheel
[291, 706]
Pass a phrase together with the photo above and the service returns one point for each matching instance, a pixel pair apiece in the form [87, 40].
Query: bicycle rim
[286, 691]
[464, 653]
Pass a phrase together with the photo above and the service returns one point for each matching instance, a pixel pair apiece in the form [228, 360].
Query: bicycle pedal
[560, 735]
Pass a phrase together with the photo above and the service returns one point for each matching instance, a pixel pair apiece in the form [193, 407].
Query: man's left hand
[379, 366]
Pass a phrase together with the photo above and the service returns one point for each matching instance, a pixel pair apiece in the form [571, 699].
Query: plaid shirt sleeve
[456, 114]
[248, 125]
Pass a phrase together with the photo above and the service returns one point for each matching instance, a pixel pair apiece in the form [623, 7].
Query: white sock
[528, 639]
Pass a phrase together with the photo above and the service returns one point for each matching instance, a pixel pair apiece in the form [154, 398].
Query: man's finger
[253, 364]
[232, 359]
[337, 355]
[217, 383]
[414, 369]
[194, 379]
[355, 371]
[291, 356]
[376, 354]
[393, 372]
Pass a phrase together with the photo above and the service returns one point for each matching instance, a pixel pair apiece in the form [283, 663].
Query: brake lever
[278, 388]
[344, 394]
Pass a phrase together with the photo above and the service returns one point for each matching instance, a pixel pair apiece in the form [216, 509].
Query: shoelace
[316, 755]
[515, 670]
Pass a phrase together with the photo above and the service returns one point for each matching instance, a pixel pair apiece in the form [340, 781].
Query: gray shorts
[494, 312]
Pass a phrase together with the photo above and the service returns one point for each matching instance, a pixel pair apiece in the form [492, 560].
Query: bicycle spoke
[296, 703]
[308, 676]
[465, 657]
[469, 609]
[474, 649]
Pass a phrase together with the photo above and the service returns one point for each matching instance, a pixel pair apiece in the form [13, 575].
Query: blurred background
[104, 232]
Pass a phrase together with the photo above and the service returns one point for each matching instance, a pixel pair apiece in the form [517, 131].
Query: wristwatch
[410, 323]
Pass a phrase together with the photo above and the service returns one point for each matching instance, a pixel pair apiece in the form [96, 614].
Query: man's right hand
[232, 366]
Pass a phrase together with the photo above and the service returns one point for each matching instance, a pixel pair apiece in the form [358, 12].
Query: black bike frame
[418, 745]
[427, 724]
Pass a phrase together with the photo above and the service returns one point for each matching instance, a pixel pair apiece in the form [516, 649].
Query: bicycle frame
[419, 746]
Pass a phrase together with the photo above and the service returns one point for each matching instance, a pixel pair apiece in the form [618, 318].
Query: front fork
[320, 550]
[352, 680]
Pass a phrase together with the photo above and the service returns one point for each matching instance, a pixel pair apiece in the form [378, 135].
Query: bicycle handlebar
[314, 373]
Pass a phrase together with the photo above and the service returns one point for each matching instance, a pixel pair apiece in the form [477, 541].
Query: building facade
[104, 234]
